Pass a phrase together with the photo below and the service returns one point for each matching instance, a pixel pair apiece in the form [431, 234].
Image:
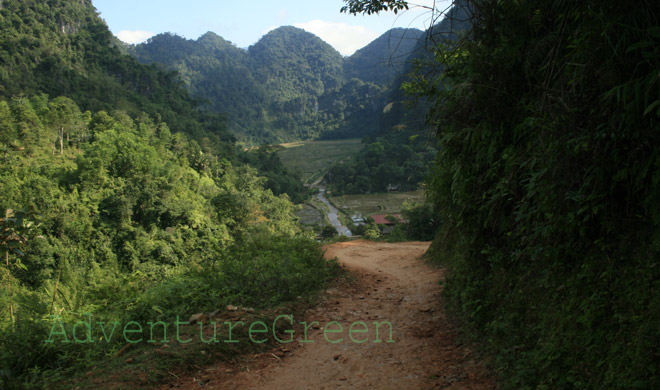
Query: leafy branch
[373, 6]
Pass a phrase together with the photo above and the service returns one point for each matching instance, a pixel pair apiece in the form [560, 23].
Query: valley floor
[392, 284]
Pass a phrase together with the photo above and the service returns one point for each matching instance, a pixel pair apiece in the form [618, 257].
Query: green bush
[328, 232]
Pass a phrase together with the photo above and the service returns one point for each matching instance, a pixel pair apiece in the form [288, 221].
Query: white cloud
[343, 37]
[269, 29]
[134, 36]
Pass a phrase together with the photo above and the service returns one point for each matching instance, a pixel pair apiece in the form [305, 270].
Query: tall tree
[64, 118]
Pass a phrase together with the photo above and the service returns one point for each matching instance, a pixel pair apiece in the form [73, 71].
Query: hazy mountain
[289, 85]
[384, 58]
[213, 70]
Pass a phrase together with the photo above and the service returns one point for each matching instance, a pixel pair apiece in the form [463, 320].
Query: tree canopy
[373, 6]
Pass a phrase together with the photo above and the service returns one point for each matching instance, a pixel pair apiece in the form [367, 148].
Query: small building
[357, 220]
[381, 219]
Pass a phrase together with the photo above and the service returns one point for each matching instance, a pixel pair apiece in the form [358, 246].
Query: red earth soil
[392, 284]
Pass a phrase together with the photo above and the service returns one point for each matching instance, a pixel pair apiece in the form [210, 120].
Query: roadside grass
[310, 215]
[313, 158]
[254, 280]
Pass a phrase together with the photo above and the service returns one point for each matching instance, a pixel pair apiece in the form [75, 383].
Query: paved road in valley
[333, 214]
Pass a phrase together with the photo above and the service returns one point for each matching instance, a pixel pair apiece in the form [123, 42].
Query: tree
[28, 125]
[7, 128]
[373, 6]
[328, 232]
[422, 221]
[372, 232]
[64, 117]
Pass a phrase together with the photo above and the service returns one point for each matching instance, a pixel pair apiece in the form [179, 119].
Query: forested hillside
[547, 182]
[385, 58]
[288, 86]
[62, 48]
[122, 199]
[215, 71]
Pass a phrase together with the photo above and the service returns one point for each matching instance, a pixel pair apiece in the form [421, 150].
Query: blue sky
[244, 22]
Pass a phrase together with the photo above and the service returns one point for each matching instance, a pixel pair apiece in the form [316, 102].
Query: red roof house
[381, 220]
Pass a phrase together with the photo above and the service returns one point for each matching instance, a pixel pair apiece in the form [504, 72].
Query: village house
[381, 219]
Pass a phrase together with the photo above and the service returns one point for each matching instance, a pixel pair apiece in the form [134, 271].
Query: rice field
[382, 203]
[309, 215]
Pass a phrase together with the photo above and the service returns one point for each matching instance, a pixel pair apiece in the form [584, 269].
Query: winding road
[333, 214]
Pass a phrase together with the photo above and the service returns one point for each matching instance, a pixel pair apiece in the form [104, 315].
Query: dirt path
[392, 285]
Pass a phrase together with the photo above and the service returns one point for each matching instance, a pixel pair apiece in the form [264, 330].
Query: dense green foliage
[547, 181]
[374, 6]
[129, 215]
[129, 202]
[422, 222]
[278, 178]
[62, 48]
[288, 86]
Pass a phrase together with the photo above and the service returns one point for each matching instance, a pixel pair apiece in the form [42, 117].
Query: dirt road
[392, 286]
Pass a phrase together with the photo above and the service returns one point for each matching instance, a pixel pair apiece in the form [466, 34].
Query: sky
[244, 22]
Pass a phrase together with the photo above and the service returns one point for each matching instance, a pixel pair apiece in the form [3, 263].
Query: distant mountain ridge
[290, 85]
[384, 58]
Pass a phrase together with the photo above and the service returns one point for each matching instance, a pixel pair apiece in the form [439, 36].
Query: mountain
[268, 93]
[384, 58]
[213, 70]
[290, 85]
[62, 48]
[292, 63]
